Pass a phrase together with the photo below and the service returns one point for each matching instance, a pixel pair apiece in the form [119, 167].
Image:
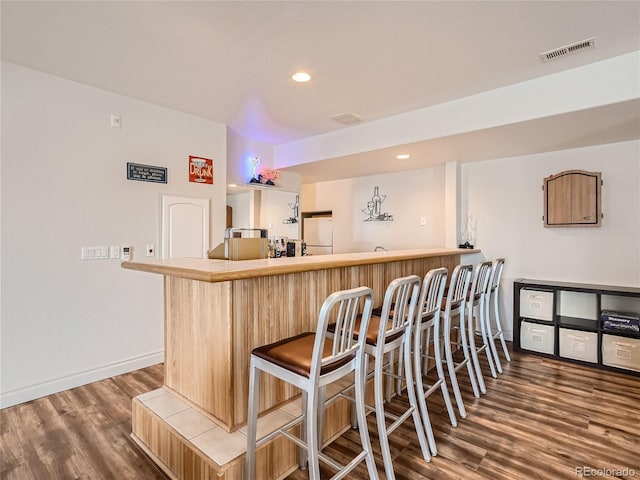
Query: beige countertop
[225, 270]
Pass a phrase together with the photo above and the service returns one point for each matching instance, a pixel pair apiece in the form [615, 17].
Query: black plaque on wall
[146, 173]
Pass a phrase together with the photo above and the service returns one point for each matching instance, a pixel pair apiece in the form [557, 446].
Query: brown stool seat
[378, 310]
[372, 331]
[454, 304]
[311, 361]
[295, 354]
[384, 335]
[427, 317]
[476, 297]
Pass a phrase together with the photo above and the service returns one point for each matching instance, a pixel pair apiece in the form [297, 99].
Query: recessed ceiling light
[403, 156]
[301, 77]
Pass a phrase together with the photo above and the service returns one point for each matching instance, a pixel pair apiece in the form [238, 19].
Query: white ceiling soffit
[608, 124]
[231, 61]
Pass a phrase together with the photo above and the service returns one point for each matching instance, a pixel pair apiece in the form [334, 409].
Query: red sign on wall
[200, 170]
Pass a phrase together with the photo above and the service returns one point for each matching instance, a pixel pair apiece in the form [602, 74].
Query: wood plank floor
[540, 419]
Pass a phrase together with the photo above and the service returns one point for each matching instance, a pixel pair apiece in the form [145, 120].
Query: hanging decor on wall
[467, 235]
[296, 211]
[200, 170]
[374, 208]
[266, 175]
[146, 173]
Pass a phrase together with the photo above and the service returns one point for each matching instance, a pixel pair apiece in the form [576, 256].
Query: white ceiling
[230, 61]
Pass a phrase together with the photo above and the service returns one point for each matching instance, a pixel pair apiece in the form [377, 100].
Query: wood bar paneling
[211, 328]
[217, 312]
[181, 459]
[198, 344]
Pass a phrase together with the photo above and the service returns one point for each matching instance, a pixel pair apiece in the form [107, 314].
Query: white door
[185, 227]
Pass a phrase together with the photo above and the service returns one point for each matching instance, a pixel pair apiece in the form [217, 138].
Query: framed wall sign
[200, 170]
[146, 173]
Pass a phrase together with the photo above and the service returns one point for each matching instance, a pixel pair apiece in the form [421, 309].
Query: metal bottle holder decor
[296, 211]
[374, 208]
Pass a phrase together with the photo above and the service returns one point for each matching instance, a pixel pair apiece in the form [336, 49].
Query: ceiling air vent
[347, 118]
[568, 49]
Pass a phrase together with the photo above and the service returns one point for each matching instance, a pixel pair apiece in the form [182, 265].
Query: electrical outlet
[116, 121]
[423, 221]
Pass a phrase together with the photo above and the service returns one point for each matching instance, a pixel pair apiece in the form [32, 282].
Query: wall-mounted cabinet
[596, 325]
[573, 199]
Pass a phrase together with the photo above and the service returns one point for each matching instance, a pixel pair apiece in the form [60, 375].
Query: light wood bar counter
[217, 311]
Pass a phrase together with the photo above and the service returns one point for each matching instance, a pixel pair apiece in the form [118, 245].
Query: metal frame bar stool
[392, 331]
[427, 319]
[454, 305]
[477, 298]
[492, 294]
[311, 361]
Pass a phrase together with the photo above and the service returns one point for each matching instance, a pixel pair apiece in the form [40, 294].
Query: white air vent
[568, 49]
[347, 118]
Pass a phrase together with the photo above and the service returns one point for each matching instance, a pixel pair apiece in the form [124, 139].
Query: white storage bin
[579, 345]
[621, 352]
[536, 304]
[537, 337]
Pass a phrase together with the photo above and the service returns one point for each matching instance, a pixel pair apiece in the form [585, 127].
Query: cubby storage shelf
[578, 323]
[562, 320]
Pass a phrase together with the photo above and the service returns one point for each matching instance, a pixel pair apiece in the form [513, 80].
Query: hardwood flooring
[81, 433]
[540, 419]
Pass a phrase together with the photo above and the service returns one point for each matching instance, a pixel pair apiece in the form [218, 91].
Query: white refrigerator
[318, 235]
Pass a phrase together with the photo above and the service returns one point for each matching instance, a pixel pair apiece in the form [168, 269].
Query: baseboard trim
[38, 390]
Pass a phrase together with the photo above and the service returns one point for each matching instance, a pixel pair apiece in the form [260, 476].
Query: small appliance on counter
[242, 244]
[286, 247]
[294, 248]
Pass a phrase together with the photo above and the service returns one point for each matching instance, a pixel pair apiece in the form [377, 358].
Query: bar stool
[454, 305]
[476, 298]
[492, 294]
[427, 319]
[387, 333]
[311, 361]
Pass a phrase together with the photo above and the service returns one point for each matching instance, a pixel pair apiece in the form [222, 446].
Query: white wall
[240, 204]
[274, 208]
[240, 149]
[410, 195]
[66, 322]
[261, 207]
[505, 197]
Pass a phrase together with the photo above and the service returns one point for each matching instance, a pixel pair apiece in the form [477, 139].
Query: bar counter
[217, 311]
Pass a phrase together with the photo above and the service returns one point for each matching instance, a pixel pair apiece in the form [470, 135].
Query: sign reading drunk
[200, 170]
